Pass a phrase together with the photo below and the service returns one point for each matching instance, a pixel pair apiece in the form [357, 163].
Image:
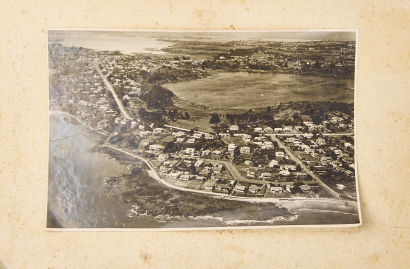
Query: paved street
[304, 168]
[109, 86]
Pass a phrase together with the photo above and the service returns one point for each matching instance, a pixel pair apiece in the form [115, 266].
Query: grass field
[242, 90]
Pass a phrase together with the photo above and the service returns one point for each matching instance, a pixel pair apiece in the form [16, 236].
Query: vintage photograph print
[178, 130]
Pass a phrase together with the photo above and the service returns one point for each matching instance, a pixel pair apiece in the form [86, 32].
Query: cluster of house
[214, 177]
[84, 95]
[327, 154]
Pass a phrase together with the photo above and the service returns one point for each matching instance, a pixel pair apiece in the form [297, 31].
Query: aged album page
[204, 134]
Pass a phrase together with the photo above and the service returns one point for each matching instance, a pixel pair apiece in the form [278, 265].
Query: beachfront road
[328, 204]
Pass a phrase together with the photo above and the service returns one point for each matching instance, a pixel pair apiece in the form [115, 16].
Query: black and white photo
[178, 130]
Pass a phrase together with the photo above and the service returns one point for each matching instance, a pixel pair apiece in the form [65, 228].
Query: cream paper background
[382, 118]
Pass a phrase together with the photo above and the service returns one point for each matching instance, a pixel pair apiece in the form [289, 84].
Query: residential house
[231, 147]
[186, 177]
[245, 150]
[305, 188]
[254, 189]
[274, 189]
[234, 128]
[163, 157]
[273, 163]
[284, 173]
[156, 148]
[159, 130]
[340, 186]
[265, 175]
[174, 175]
[240, 188]
[250, 174]
[190, 151]
[218, 168]
[280, 154]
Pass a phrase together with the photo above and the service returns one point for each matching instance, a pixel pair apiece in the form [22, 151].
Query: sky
[222, 36]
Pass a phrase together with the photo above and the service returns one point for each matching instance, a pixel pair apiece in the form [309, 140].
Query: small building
[159, 130]
[185, 177]
[209, 184]
[273, 163]
[162, 157]
[178, 134]
[218, 168]
[305, 188]
[284, 173]
[156, 148]
[144, 142]
[265, 175]
[301, 175]
[216, 152]
[199, 163]
[248, 162]
[274, 189]
[254, 189]
[340, 186]
[240, 188]
[190, 151]
[268, 145]
[206, 152]
[268, 130]
[245, 150]
[280, 154]
[223, 187]
[231, 147]
[287, 129]
[234, 128]
[174, 175]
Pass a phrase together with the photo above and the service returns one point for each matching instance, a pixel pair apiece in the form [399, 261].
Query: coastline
[58, 112]
[292, 208]
[291, 204]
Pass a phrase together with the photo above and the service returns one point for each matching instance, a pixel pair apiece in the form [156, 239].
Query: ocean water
[111, 41]
[76, 193]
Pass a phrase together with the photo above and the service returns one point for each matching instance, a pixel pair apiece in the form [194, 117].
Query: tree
[296, 188]
[187, 116]
[214, 119]
[298, 168]
[169, 146]
[191, 132]
[230, 118]
[316, 119]
[192, 169]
